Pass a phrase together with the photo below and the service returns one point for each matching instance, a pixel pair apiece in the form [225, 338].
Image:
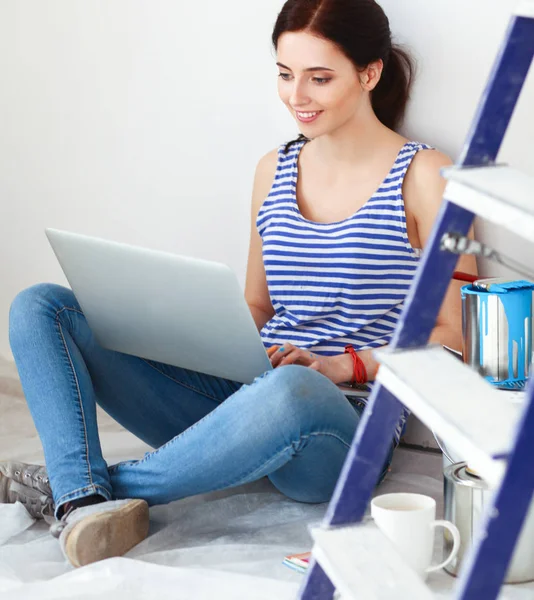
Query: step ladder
[353, 557]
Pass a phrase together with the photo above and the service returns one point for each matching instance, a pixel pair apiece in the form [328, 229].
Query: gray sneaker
[92, 533]
[28, 484]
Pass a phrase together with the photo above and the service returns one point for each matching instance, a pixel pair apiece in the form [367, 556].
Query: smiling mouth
[307, 117]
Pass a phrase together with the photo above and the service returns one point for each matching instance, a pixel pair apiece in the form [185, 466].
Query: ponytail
[391, 95]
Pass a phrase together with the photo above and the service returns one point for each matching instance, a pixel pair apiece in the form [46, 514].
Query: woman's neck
[354, 143]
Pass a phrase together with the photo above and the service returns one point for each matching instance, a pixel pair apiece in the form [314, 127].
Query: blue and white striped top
[333, 284]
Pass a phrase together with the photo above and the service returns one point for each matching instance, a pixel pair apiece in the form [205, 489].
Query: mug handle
[456, 544]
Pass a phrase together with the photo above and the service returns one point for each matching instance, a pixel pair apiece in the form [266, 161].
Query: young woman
[339, 218]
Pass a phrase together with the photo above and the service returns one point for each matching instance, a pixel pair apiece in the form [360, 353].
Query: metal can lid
[472, 472]
[458, 473]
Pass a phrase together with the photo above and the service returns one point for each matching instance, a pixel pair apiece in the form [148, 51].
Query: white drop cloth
[226, 545]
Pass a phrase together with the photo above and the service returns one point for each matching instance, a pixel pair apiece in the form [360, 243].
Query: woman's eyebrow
[308, 69]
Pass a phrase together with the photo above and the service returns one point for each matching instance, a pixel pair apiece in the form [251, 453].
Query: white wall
[143, 121]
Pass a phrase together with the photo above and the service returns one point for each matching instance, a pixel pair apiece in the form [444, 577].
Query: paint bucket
[497, 334]
[466, 497]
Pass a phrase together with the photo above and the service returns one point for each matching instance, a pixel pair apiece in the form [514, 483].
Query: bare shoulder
[268, 162]
[424, 172]
[263, 179]
[424, 185]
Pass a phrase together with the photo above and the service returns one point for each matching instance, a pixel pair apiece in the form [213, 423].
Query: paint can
[497, 333]
[466, 498]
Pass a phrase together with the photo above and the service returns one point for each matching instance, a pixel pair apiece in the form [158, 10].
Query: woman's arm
[256, 291]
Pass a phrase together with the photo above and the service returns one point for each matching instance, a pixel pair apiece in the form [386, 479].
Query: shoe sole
[107, 534]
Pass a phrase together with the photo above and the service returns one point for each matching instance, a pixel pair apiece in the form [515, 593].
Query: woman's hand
[337, 368]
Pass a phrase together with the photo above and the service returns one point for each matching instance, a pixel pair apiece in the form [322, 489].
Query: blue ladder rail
[484, 571]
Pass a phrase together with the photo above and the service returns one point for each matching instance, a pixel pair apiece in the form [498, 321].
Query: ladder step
[500, 194]
[453, 400]
[362, 563]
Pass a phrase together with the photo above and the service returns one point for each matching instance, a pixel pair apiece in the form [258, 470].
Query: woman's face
[319, 85]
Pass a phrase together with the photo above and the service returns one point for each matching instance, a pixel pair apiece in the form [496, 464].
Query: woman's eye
[317, 80]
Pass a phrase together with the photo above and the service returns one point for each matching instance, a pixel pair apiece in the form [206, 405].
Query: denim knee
[36, 300]
[35, 296]
[293, 390]
[296, 399]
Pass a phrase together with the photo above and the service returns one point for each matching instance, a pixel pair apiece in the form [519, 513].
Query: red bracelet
[359, 372]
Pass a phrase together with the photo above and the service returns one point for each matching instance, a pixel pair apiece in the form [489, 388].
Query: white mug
[408, 520]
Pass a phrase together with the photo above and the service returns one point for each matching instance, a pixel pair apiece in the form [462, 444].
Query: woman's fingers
[296, 356]
[289, 359]
[277, 353]
[287, 354]
[280, 354]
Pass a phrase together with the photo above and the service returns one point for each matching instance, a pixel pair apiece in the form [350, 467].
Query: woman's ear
[371, 75]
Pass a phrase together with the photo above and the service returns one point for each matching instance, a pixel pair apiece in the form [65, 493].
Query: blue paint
[521, 284]
[484, 319]
[517, 307]
[516, 299]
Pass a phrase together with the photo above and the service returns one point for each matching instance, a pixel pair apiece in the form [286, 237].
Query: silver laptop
[177, 310]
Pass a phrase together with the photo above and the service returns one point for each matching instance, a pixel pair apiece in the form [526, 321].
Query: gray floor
[227, 544]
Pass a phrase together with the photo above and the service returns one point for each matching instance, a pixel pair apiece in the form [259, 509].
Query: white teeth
[307, 115]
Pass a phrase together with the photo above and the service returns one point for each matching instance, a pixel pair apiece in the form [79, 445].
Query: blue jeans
[291, 424]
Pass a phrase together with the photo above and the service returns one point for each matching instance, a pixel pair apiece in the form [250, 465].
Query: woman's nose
[299, 97]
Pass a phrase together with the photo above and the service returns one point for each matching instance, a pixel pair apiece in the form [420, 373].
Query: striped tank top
[333, 284]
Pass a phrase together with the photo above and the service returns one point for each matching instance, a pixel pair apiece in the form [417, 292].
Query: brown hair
[360, 29]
